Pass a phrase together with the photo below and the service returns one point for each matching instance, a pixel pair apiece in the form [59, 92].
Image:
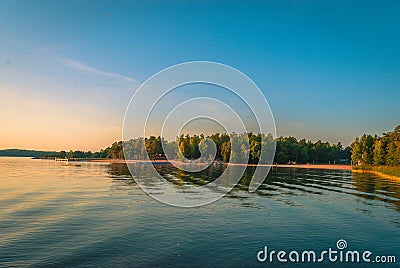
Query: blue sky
[330, 70]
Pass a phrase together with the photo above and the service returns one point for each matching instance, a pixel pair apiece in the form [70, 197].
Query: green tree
[255, 150]
[379, 152]
[70, 154]
[62, 154]
[367, 142]
[226, 151]
[393, 147]
[376, 150]
[116, 150]
[184, 149]
[194, 151]
[356, 152]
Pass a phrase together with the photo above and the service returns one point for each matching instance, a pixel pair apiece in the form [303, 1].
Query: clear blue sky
[329, 69]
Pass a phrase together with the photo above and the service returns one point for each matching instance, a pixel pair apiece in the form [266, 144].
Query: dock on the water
[72, 159]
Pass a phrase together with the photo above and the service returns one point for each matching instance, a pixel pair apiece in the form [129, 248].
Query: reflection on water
[57, 214]
[373, 187]
[282, 181]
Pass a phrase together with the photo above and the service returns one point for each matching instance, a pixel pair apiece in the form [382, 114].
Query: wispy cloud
[85, 68]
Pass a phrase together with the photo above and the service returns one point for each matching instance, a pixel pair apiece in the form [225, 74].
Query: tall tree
[226, 151]
[379, 152]
[356, 152]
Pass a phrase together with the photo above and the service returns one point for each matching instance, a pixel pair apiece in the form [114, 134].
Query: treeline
[25, 153]
[82, 154]
[190, 147]
[375, 150]
[115, 151]
[288, 149]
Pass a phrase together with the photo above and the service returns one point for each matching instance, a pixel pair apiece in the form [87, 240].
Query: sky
[330, 70]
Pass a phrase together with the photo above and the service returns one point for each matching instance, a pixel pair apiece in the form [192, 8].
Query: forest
[377, 150]
[288, 149]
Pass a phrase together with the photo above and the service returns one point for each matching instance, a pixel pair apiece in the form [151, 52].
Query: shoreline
[307, 166]
[319, 166]
[303, 166]
[381, 174]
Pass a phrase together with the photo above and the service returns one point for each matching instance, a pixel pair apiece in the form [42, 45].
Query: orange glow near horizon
[39, 124]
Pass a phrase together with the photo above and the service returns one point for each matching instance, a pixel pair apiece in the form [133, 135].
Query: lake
[95, 215]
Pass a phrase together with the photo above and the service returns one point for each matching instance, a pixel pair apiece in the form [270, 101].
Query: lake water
[94, 215]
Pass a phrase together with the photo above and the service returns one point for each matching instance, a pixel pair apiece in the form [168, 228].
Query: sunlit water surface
[94, 215]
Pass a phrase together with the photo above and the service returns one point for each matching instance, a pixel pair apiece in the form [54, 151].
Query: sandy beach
[318, 166]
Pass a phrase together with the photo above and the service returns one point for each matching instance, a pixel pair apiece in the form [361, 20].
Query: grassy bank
[392, 171]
